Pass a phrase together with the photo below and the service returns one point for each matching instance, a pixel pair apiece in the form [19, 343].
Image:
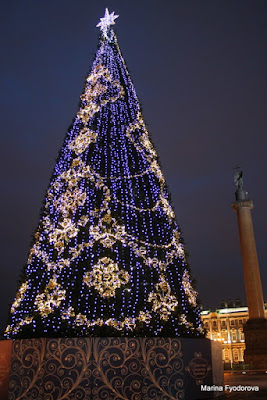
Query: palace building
[226, 326]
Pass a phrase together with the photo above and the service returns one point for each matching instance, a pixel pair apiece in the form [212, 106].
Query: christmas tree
[107, 258]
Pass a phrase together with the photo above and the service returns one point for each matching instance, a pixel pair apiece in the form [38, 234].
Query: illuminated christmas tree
[107, 259]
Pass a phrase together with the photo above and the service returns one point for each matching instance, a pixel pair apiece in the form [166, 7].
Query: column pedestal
[255, 355]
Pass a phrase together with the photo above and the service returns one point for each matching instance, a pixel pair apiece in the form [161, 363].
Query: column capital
[242, 204]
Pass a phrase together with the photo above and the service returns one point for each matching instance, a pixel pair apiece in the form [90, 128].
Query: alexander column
[255, 329]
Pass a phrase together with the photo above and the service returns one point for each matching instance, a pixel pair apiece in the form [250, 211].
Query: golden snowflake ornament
[106, 277]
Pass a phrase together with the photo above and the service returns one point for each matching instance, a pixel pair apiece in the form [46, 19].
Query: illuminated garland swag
[107, 258]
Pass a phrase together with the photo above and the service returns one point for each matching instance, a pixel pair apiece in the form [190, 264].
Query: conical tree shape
[107, 258]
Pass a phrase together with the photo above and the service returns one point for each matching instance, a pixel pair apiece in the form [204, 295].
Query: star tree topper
[107, 21]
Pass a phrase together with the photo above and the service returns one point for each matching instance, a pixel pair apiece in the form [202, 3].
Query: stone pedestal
[115, 368]
[256, 343]
[5, 359]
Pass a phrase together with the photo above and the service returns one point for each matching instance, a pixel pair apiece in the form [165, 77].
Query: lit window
[224, 335]
[235, 355]
[234, 336]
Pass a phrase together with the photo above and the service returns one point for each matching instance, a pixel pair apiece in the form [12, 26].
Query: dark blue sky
[199, 69]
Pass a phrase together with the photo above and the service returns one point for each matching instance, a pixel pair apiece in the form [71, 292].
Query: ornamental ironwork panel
[109, 368]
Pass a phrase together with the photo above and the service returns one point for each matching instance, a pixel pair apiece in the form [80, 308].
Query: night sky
[199, 69]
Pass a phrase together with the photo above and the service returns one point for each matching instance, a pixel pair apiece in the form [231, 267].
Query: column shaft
[250, 262]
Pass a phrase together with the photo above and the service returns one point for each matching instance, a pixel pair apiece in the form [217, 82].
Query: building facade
[226, 326]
